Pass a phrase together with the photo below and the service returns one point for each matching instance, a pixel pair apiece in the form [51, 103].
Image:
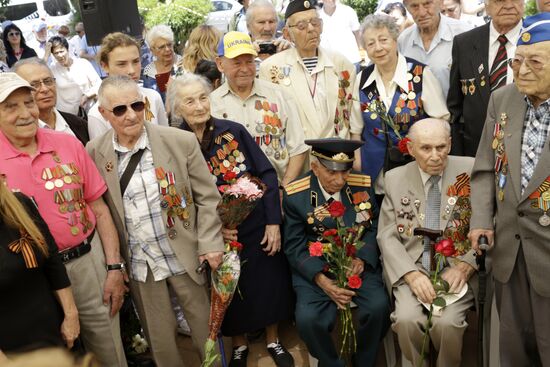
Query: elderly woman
[394, 92]
[202, 45]
[264, 285]
[76, 79]
[37, 308]
[160, 39]
[16, 47]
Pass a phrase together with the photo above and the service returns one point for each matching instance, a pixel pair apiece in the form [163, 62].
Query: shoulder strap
[129, 171]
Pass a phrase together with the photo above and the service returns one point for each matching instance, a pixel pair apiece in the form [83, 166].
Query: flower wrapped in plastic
[239, 198]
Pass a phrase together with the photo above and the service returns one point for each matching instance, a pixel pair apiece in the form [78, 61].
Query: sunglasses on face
[14, 34]
[137, 106]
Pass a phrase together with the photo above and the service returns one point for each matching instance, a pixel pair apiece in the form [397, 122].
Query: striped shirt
[310, 63]
[147, 236]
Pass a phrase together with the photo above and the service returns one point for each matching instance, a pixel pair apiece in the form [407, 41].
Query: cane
[482, 277]
[432, 235]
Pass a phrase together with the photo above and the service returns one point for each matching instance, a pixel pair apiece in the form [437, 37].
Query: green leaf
[440, 301]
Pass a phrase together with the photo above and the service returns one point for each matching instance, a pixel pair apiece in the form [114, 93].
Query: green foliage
[362, 7]
[531, 8]
[181, 15]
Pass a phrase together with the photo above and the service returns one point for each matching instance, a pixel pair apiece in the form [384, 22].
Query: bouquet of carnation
[224, 284]
[239, 197]
[339, 248]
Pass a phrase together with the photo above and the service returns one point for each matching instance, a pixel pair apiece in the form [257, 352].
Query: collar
[323, 60]
[60, 123]
[142, 143]
[512, 35]
[425, 177]
[45, 145]
[326, 195]
[544, 105]
[225, 89]
[444, 32]
[399, 76]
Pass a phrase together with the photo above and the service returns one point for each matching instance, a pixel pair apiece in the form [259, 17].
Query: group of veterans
[126, 200]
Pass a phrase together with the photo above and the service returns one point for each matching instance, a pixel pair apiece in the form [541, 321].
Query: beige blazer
[401, 250]
[515, 221]
[334, 64]
[176, 151]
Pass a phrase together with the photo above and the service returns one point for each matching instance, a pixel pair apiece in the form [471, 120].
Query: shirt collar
[225, 89]
[8, 150]
[512, 35]
[444, 32]
[60, 123]
[399, 76]
[426, 176]
[142, 143]
[326, 195]
[323, 61]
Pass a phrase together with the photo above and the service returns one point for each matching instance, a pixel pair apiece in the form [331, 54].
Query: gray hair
[431, 124]
[118, 82]
[159, 31]
[258, 4]
[378, 21]
[30, 61]
[179, 83]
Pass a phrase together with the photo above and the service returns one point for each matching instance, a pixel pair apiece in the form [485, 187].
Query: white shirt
[512, 36]
[439, 57]
[338, 31]
[73, 82]
[74, 46]
[60, 124]
[154, 113]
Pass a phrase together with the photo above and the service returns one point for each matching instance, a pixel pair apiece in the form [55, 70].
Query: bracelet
[117, 266]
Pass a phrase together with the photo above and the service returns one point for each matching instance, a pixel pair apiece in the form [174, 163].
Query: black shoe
[280, 355]
[239, 356]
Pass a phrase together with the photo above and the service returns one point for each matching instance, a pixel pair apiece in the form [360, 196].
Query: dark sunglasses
[121, 110]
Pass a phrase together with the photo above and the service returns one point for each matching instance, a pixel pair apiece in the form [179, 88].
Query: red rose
[336, 209]
[316, 249]
[402, 146]
[326, 268]
[345, 75]
[330, 232]
[235, 245]
[376, 131]
[350, 250]
[229, 176]
[354, 282]
[445, 247]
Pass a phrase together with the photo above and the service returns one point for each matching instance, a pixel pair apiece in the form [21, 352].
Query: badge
[67, 179]
[405, 200]
[482, 82]
[480, 68]
[546, 195]
[409, 76]
[172, 233]
[416, 79]
[451, 201]
[307, 4]
[526, 37]
[471, 87]
[416, 203]
[49, 185]
[75, 231]
[109, 166]
[411, 95]
[58, 183]
[421, 216]
[544, 220]
[400, 228]
[397, 109]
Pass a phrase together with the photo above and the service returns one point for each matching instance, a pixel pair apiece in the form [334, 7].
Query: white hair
[159, 31]
[259, 4]
[119, 82]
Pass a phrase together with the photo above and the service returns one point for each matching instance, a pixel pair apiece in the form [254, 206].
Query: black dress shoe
[239, 356]
[280, 355]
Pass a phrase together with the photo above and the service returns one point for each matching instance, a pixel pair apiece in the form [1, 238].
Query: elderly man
[261, 21]
[164, 203]
[75, 41]
[510, 198]
[430, 39]
[269, 114]
[320, 81]
[38, 74]
[40, 41]
[480, 66]
[55, 170]
[543, 5]
[430, 192]
[304, 202]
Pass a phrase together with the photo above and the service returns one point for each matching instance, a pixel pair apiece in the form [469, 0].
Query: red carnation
[338, 241]
[354, 282]
[402, 145]
[336, 209]
[330, 232]
[350, 250]
[316, 249]
[229, 176]
[376, 131]
[445, 247]
[235, 245]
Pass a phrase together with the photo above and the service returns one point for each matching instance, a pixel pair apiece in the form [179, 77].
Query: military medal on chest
[540, 199]
[269, 130]
[228, 157]
[171, 201]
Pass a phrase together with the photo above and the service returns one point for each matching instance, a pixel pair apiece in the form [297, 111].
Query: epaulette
[297, 186]
[355, 179]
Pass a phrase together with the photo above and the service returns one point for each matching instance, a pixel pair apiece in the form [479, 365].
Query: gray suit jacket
[400, 249]
[176, 151]
[515, 221]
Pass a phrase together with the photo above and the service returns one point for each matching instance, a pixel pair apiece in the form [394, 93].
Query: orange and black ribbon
[24, 246]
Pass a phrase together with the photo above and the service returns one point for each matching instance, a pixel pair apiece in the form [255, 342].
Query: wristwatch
[117, 266]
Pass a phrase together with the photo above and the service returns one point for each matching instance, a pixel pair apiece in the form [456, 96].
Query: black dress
[30, 315]
[264, 295]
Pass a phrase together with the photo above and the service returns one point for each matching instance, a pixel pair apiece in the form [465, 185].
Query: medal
[451, 201]
[397, 109]
[494, 145]
[472, 87]
[500, 195]
[464, 87]
[172, 233]
[544, 220]
[411, 95]
[409, 76]
[416, 79]
[49, 185]
[75, 231]
[482, 82]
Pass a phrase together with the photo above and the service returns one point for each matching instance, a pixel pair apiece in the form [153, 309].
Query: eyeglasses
[165, 46]
[48, 82]
[118, 111]
[14, 34]
[302, 24]
[533, 64]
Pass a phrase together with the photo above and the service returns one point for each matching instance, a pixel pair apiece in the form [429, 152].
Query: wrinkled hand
[474, 234]
[214, 259]
[357, 267]
[229, 234]
[282, 44]
[114, 289]
[272, 237]
[421, 286]
[340, 296]
[70, 329]
[457, 276]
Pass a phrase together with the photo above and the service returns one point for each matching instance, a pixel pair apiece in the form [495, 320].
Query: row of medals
[171, 200]
[232, 162]
[281, 75]
[469, 85]
[273, 141]
[70, 201]
[410, 96]
[501, 161]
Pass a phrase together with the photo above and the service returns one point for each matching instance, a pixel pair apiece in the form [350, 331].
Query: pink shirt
[29, 175]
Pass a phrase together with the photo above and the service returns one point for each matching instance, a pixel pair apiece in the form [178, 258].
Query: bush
[181, 15]
[362, 7]
[531, 8]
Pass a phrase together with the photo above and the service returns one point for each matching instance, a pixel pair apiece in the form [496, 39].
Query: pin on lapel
[480, 68]
[109, 166]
